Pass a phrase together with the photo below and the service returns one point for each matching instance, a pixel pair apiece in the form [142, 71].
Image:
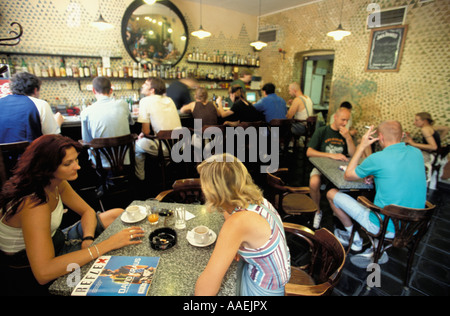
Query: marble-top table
[330, 169]
[179, 266]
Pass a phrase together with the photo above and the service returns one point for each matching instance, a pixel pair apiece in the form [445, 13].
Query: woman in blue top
[252, 229]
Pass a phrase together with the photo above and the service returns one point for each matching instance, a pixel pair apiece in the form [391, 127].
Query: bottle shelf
[206, 62]
[54, 55]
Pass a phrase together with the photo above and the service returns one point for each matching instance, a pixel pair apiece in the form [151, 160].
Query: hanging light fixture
[339, 33]
[101, 23]
[258, 45]
[150, 1]
[201, 33]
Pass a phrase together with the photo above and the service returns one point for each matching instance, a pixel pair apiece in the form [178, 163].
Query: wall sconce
[282, 51]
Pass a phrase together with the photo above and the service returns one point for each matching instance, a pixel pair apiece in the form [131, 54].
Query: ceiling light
[201, 33]
[101, 23]
[339, 33]
[150, 1]
[258, 45]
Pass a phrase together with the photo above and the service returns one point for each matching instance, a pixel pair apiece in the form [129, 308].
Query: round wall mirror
[155, 34]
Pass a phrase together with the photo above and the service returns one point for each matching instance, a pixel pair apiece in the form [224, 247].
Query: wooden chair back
[410, 225]
[327, 258]
[288, 200]
[118, 177]
[10, 153]
[165, 140]
[188, 191]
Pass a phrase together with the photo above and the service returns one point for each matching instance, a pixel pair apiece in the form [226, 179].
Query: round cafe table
[180, 266]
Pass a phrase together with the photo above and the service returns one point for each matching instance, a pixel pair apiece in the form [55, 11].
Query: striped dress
[269, 266]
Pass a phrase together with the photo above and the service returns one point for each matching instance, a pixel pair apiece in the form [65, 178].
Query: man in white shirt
[156, 112]
[23, 116]
[107, 117]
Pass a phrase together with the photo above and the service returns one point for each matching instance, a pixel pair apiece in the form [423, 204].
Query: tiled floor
[431, 268]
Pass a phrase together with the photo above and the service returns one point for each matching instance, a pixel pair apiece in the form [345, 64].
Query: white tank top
[11, 238]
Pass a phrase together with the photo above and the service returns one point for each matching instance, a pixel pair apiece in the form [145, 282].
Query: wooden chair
[10, 152]
[188, 191]
[410, 226]
[118, 177]
[322, 272]
[284, 132]
[436, 165]
[289, 201]
[310, 123]
[165, 140]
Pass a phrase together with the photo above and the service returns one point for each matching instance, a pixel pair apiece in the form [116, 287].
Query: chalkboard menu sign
[385, 48]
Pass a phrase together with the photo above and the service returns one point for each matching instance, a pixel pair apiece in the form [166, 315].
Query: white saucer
[124, 217]
[190, 238]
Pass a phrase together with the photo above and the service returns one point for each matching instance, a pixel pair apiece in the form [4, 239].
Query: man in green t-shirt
[332, 141]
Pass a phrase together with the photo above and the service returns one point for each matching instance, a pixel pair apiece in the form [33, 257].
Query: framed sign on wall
[386, 48]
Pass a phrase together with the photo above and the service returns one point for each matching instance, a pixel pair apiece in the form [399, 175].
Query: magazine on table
[118, 275]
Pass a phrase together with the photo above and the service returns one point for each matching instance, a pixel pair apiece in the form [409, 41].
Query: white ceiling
[252, 6]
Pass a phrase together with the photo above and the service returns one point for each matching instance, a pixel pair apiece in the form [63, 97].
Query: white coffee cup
[133, 211]
[202, 234]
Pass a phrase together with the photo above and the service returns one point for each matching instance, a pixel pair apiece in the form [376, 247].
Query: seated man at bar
[107, 117]
[300, 109]
[156, 112]
[253, 230]
[23, 116]
[399, 175]
[271, 105]
[333, 141]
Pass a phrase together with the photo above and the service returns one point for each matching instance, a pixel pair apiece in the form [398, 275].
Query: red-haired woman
[31, 205]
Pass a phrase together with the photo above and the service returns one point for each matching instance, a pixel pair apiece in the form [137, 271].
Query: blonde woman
[252, 229]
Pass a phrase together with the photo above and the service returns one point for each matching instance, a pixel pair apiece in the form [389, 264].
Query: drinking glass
[180, 218]
[153, 216]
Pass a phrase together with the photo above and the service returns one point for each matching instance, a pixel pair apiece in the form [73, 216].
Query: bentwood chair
[188, 191]
[166, 143]
[310, 123]
[410, 226]
[10, 153]
[284, 132]
[289, 200]
[117, 179]
[317, 261]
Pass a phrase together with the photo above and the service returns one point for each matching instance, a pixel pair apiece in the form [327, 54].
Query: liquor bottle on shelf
[99, 70]
[62, 68]
[93, 70]
[80, 70]
[86, 70]
[37, 70]
[57, 71]
[75, 73]
[24, 66]
[51, 71]
[44, 71]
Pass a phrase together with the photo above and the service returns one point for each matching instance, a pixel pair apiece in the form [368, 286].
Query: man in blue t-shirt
[399, 175]
[271, 105]
[23, 116]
